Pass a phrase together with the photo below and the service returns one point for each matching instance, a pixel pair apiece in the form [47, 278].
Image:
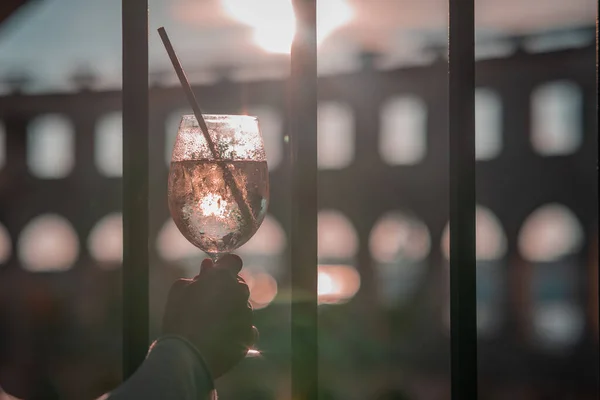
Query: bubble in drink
[205, 207]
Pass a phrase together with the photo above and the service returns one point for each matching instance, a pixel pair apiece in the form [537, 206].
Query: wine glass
[218, 192]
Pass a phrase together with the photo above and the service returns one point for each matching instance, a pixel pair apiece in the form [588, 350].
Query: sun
[274, 24]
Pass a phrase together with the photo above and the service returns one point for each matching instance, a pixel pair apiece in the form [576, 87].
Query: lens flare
[274, 24]
[337, 283]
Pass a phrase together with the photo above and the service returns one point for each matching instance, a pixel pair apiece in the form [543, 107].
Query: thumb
[174, 298]
[230, 262]
[207, 264]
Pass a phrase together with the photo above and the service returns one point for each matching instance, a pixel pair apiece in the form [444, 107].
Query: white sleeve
[173, 369]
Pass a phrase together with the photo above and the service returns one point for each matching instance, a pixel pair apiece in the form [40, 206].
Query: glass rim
[219, 117]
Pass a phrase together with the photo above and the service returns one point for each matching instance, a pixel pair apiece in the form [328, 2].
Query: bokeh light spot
[48, 244]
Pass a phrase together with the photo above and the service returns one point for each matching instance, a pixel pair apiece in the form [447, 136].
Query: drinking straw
[187, 88]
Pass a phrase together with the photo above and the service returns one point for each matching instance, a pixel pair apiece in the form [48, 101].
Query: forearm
[172, 370]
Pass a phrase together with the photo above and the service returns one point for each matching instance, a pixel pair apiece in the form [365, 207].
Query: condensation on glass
[271, 129]
[171, 126]
[235, 137]
[218, 187]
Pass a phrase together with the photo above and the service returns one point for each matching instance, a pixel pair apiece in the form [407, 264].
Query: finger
[226, 273]
[230, 262]
[244, 291]
[243, 318]
[241, 279]
[242, 335]
[238, 294]
[206, 265]
[234, 301]
[177, 289]
[173, 306]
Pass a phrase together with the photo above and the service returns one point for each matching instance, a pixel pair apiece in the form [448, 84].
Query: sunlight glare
[331, 15]
[325, 284]
[253, 353]
[213, 205]
[337, 283]
[274, 24]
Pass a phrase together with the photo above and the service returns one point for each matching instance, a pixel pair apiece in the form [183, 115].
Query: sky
[51, 39]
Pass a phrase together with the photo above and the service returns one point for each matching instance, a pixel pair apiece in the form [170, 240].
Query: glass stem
[215, 257]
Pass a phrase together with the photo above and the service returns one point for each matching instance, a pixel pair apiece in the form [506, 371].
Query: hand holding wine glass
[218, 181]
[212, 312]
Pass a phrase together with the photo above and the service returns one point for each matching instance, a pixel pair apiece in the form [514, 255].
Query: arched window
[51, 146]
[338, 279]
[48, 244]
[108, 149]
[488, 124]
[338, 239]
[5, 245]
[105, 242]
[490, 237]
[399, 244]
[490, 250]
[335, 133]
[262, 285]
[550, 233]
[556, 115]
[403, 135]
[550, 239]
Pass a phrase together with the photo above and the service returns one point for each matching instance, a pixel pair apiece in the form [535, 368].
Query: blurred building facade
[383, 189]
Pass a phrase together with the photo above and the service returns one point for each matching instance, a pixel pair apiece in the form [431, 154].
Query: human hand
[212, 312]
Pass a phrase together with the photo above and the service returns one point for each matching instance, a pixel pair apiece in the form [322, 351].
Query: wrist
[193, 349]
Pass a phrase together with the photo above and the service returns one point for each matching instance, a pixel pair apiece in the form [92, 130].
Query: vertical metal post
[135, 184]
[461, 70]
[598, 236]
[303, 120]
